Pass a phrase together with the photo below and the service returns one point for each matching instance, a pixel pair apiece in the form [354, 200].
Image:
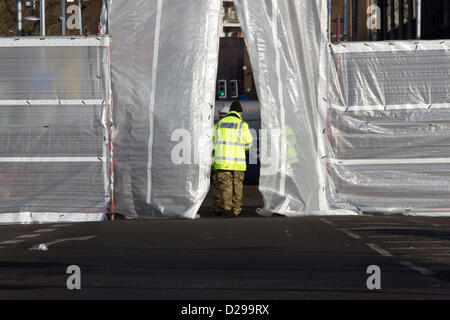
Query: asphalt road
[244, 258]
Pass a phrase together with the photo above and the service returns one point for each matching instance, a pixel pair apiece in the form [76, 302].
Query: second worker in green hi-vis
[232, 138]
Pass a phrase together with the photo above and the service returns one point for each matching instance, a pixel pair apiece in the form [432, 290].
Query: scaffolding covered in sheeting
[54, 153]
[346, 128]
[164, 69]
[389, 127]
[286, 41]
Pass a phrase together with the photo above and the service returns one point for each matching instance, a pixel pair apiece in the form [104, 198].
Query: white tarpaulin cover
[286, 41]
[54, 102]
[164, 68]
[389, 127]
[345, 128]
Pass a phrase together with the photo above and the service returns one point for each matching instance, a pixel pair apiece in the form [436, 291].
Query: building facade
[90, 17]
[229, 24]
[435, 19]
[234, 61]
[366, 20]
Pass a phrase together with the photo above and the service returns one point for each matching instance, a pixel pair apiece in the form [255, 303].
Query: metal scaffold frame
[50, 56]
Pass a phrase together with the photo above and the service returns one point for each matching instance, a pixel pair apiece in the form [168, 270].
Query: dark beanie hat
[236, 107]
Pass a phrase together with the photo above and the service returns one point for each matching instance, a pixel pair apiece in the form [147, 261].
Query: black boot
[228, 214]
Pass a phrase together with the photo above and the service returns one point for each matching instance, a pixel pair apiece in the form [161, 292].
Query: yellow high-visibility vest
[232, 137]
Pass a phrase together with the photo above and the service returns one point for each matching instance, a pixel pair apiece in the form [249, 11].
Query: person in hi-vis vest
[232, 138]
[217, 203]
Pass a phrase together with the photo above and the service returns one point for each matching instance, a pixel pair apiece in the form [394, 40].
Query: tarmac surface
[243, 258]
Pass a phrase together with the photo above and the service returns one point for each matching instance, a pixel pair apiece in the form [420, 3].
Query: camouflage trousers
[228, 189]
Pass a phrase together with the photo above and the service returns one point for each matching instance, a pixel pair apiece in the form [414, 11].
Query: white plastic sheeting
[389, 127]
[54, 102]
[345, 128]
[164, 68]
[286, 41]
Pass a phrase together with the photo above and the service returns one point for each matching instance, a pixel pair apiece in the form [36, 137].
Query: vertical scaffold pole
[63, 17]
[80, 18]
[329, 20]
[42, 13]
[19, 18]
[419, 19]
